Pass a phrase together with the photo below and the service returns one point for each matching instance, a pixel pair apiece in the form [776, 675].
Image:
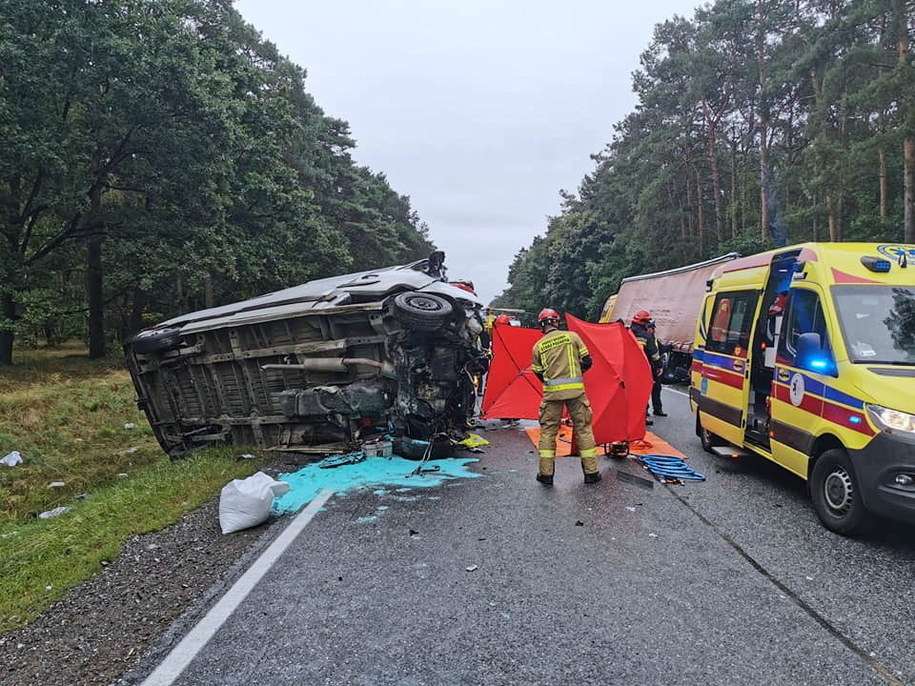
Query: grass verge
[67, 417]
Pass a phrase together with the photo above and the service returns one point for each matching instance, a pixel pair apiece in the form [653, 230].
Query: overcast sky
[480, 110]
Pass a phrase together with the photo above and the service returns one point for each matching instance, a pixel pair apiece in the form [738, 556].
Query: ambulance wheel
[707, 438]
[836, 495]
[422, 310]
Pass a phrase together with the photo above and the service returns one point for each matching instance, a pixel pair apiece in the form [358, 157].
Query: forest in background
[158, 157]
[758, 123]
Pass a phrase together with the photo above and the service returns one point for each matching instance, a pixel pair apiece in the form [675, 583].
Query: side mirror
[811, 356]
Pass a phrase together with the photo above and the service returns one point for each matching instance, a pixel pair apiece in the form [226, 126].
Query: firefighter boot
[545, 475]
[589, 466]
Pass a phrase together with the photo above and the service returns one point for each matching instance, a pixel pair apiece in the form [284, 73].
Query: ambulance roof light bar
[876, 264]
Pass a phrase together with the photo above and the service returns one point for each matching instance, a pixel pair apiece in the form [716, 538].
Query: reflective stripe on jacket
[557, 358]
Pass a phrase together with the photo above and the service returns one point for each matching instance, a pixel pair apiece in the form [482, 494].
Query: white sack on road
[244, 503]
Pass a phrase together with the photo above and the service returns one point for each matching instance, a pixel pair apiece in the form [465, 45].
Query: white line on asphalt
[673, 390]
[182, 654]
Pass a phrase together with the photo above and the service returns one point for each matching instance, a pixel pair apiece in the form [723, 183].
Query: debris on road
[340, 460]
[471, 568]
[244, 503]
[633, 479]
[473, 441]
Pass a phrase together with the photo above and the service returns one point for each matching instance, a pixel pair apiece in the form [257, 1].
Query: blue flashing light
[819, 364]
[854, 419]
[876, 264]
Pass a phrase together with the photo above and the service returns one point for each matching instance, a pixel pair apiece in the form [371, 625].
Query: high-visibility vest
[557, 358]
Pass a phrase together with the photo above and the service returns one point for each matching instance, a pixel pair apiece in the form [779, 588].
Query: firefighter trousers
[550, 416]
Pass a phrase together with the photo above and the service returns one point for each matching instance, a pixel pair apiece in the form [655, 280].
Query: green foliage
[66, 415]
[751, 110]
[164, 128]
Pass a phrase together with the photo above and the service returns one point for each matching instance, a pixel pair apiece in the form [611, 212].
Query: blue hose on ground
[669, 467]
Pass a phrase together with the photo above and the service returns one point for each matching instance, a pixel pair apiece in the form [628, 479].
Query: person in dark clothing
[658, 371]
[643, 329]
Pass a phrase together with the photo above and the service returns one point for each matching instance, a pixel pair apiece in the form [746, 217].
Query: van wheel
[421, 310]
[707, 438]
[836, 495]
[413, 449]
[155, 341]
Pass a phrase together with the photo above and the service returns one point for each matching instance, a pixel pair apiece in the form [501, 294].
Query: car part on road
[618, 449]
[639, 481]
[428, 454]
[318, 368]
[340, 460]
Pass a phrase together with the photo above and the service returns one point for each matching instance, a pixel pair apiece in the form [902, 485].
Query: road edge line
[182, 654]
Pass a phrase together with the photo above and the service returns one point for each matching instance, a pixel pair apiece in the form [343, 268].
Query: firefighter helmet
[546, 315]
[502, 319]
[642, 317]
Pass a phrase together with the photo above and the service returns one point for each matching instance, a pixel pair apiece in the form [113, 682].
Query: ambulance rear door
[724, 386]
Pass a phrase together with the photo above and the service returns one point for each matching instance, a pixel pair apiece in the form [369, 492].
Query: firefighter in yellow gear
[559, 359]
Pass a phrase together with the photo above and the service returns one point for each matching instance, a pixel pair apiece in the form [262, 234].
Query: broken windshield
[878, 323]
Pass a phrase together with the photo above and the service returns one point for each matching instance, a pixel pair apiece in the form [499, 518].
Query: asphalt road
[730, 581]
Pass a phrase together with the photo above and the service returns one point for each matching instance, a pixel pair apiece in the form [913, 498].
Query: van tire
[155, 341]
[836, 495]
[413, 449]
[423, 311]
[707, 438]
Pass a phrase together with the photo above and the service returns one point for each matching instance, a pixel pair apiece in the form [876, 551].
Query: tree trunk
[835, 230]
[179, 294]
[689, 204]
[764, 178]
[94, 277]
[909, 184]
[733, 201]
[8, 312]
[207, 290]
[762, 124]
[700, 212]
[884, 189]
[908, 146]
[94, 295]
[135, 322]
[711, 141]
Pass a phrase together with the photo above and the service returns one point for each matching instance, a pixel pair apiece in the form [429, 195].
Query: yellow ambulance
[806, 356]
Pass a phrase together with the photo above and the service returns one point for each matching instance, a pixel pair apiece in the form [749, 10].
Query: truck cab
[806, 355]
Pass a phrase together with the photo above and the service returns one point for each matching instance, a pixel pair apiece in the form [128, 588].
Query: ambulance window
[805, 315]
[731, 320]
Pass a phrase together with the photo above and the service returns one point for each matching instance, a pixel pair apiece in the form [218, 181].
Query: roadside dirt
[103, 627]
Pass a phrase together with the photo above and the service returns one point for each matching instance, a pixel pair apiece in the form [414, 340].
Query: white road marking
[182, 654]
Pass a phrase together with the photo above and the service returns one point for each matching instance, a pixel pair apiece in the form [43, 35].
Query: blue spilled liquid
[380, 473]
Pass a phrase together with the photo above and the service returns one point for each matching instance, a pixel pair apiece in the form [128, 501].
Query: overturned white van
[319, 367]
